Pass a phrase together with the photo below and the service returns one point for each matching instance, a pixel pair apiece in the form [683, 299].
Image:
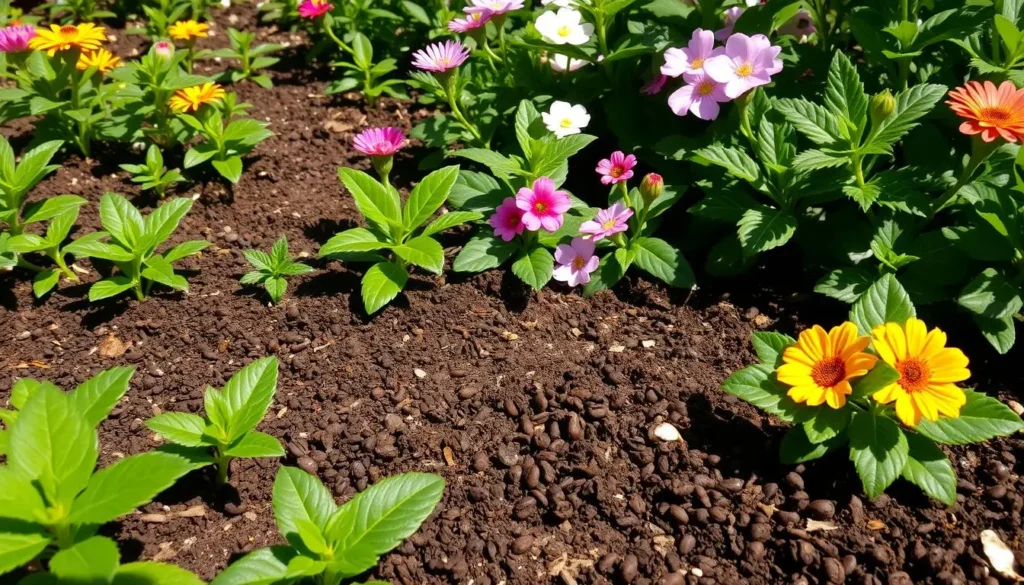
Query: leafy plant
[132, 242]
[402, 232]
[271, 269]
[251, 59]
[328, 543]
[363, 73]
[98, 560]
[226, 139]
[52, 501]
[17, 179]
[154, 175]
[228, 429]
[69, 11]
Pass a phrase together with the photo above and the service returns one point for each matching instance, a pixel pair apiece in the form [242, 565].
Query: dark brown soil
[537, 408]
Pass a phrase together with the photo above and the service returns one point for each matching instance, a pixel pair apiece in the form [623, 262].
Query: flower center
[566, 123]
[616, 172]
[608, 224]
[829, 372]
[69, 31]
[697, 63]
[705, 88]
[994, 115]
[564, 30]
[745, 70]
[914, 374]
[540, 207]
[578, 263]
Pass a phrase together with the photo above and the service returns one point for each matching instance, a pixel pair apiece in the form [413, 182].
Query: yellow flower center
[608, 224]
[697, 63]
[566, 123]
[914, 374]
[616, 172]
[564, 30]
[745, 70]
[706, 88]
[829, 372]
[540, 207]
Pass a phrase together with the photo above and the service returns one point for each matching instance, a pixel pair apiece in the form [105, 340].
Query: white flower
[561, 63]
[559, 3]
[564, 119]
[564, 27]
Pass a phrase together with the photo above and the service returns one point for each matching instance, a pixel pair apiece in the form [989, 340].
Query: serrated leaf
[534, 267]
[758, 385]
[846, 284]
[737, 162]
[658, 258]
[844, 92]
[885, 301]
[911, 105]
[811, 120]
[991, 295]
[763, 228]
[769, 346]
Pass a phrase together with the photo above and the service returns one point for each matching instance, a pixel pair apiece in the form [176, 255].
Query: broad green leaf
[229, 168]
[353, 240]
[450, 220]
[34, 165]
[879, 451]
[812, 160]
[248, 394]
[1001, 333]
[758, 385]
[52, 207]
[428, 196]
[181, 428]
[97, 396]
[881, 376]
[724, 205]
[499, 165]
[165, 219]
[265, 566]
[797, 448]
[185, 249]
[131, 482]
[258, 258]
[608, 273]
[256, 444]
[991, 295]
[886, 301]
[658, 258]
[276, 288]
[311, 537]
[93, 560]
[27, 243]
[150, 573]
[85, 247]
[19, 499]
[928, 468]
[381, 284]
[826, 423]
[844, 92]
[121, 220]
[911, 105]
[534, 267]
[735, 161]
[110, 287]
[981, 418]
[763, 228]
[20, 542]
[423, 251]
[44, 281]
[769, 346]
[477, 192]
[159, 270]
[300, 496]
[846, 284]
[557, 153]
[377, 205]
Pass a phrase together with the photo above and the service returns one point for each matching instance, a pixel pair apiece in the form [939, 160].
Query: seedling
[251, 59]
[154, 175]
[50, 497]
[132, 245]
[98, 560]
[17, 179]
[271, 269]
[226, 140]
[392, 228]
[52, 246]
[328, 543]
[227, 430]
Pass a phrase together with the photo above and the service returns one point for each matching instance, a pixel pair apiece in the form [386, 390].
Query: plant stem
[223, 464]
[602, 33]
[330, 32]
[621, 186]
[858, 169]
[453, 103]
[23, 263]
[980, 152]
[58, 258]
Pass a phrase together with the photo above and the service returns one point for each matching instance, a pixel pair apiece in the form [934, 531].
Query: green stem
[602, 33]
[621, 186]
[27, 265]
[58, 259]
[980, 152]
[330, 32]
[223, 465]
[189, 55]
[453, 103]
[858, 169]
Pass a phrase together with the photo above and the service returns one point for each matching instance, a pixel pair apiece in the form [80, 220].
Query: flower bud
[882, 106]
[164, 49]
[652, 187]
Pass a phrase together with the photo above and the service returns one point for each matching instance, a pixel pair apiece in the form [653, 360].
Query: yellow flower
[102, 59]
[187, 30]
[928, 371]
[192, 98]
[820, 365]
[86, 37]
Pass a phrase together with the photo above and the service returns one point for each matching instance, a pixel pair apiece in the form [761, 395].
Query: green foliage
[228, 429]
[153, 175]
[251, 60]
[273, 268]
[226, 137]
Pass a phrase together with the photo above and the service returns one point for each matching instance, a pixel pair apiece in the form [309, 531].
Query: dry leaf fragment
[449, 457]
[111, 347]
[768, 509]
[815, 525]
[876, 525]
[999, 555]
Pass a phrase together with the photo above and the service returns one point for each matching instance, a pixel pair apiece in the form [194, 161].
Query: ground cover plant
[540, 237]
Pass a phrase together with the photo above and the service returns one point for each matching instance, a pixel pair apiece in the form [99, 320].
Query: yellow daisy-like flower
[102, 59]
[192, 98]
[928, 371]
[86, 37]
[187, 30]
[820, 365]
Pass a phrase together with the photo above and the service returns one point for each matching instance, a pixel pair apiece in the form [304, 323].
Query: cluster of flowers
[86, 38]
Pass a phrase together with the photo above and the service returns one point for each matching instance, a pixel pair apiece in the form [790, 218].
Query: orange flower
[990, 111]
[192, 98]
[86, 36]
[820, 365]
[102, 59]
[187, 30]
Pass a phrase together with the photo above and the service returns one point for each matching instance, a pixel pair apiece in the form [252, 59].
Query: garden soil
[537, 408]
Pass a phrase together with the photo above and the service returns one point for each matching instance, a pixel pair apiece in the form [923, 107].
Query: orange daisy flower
[187, 30]
[102, 59]
[820, 365]
[86, 37]
[192, 98]
[990, 111]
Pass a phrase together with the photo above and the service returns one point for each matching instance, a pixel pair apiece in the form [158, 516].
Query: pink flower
[542, 205]
[164, 49]
[314, 8]
[689, 61]
[729, 18]
[700, 98]
[507, 220]
[379, 141]
[14, 39]
[655, 85]
[441, 57]
[748, 62]
[617, 168]
[472, 22]
[498, 7]
[608, 222]
[576, 260]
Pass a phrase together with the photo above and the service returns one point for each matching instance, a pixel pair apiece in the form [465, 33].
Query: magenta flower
[164, 49]
[507, 220]
[314, 8]
[379, 141]
[608, 222]
[543, 206]
[14, 39]
[617, 168]
[472, 22]
[689, 61]
[576, 262]
[497, 7]
[700, 98]
[655, 85]
[748, 62]
[441, 57]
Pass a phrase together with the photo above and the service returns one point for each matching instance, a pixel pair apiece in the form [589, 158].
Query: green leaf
[557, 153]
[658, 258]
[609, 272]
[377, 205]
[300, 496]
[150, 573]
[764, 228]
[826, 423]
[534, 267]
[381, 284]
[276, 288]
[812, 160]
[1001, 333]
[477, 192]
[498, 164]
[20, 542]
[353, 240]
[377, 520]
[758, 385]
[797, 448]
[428, 196]
[312, 537]
[256, 444]
[51, 207]
[928, 468]
[846, 284]
[181, 428]
[93, 560]
[812, 120]
[991, 295]
[131, 482]
[886, 301]
[259, 259]
[19, 499]
[879, 451]
[122, 220]
[735, 161]
[44, 281]
[109, 287]
[423, 251]
[881, 376]
[911, 105]
[159, 270]
[160, 224]
[769, 346]
[265, 566]
[248, 394]
[86, 247]
[483, 252]
[97, 396]
[981, 418]
[230, 168]
[724, 205]
[844, 93]
[34, 165]
[450, 220]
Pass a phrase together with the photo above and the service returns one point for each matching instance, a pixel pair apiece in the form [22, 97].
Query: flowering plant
[215, 116]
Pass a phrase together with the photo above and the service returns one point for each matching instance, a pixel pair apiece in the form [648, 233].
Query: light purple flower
[655, 85]
[608, 222]
[441, 57]
[507, 220]
[14, 39]
[689, 61]
[498, 7]
[576, 262]
[542, 205]
[379, 141]
[729, 18]
[472, 21]
[748, 62]
[700, 98]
